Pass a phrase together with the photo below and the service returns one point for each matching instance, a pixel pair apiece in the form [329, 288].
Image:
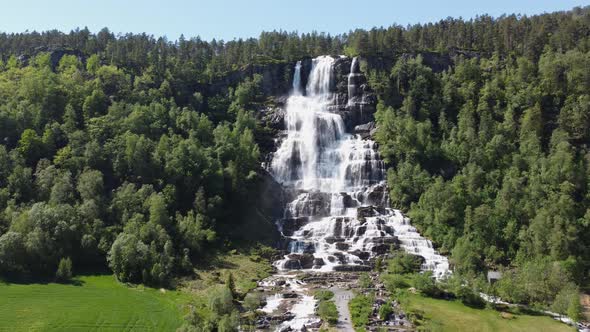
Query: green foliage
[323, 295]
[231, 285]
[64, 270]
[385, 311]
[567, 302]
[394, 282]
[252, 301]
[360, 308]
[220, 300]
[403, 263]
[425, 284]
[328, 312]
[365, 280]
[489, 159]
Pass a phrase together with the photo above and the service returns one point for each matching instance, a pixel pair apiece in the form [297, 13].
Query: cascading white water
[338, 219]
[352, 86]
[297, 79]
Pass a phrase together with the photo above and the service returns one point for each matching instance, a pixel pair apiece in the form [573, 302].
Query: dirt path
[341, 298]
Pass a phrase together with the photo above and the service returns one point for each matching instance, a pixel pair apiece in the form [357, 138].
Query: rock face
[55, 55]
[259, 225]
[355, 101]
[276, 78]
[353, 98]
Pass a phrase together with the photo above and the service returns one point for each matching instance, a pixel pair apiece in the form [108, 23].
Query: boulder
[299, 261]
[365, 130]
[366, 211]
[342, 246]
[363, 255]
[290, 225]
[289, 295]
[318, 262]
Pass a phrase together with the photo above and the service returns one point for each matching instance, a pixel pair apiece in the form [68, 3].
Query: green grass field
[444, 315]
[101, 303]
[98, 303]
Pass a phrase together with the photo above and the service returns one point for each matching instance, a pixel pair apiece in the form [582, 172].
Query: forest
[116, 152]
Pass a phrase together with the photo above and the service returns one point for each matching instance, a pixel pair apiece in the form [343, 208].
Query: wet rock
[313, 203]
[365, 130]
[273, 117]
[377, 195]
[352, 268]
[361, 230]
[333, 239]
[381, 249]
[342, 246]
[299, 261]
[366, 211]
[318, 262]
[282, 318]
[340, 256]
[289, 295]
[315, 325]
[364, 255]
[290, 225]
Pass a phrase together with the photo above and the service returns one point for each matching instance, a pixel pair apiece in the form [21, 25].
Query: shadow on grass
[40, 281]
[215, 262]
[44, 280]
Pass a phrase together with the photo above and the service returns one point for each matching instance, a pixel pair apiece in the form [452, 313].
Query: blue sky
[227, 19]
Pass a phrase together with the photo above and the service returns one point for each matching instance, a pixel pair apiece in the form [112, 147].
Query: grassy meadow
[90, 303]
[442, 315]
[101, 303]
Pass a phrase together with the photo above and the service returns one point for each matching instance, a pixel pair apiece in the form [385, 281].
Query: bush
[221, 301]
[385, 311]
[567, 302]
[328, 312]
[252, 301]
[404, 263]
[229, 322]
[365, 281]
[470, 298]
[64, 270]
[424, 283]
[360, 309]
[323, 295]
[394, 281]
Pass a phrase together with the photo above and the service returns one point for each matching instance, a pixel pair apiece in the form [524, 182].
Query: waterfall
[351, 80]
[297, 79]
[339, 218]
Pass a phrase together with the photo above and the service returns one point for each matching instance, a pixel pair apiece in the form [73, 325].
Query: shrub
[220, 300]
[64, 270]
[394, 281]
[365, 281]
[229, 322]
[470, 298]
[360, 309]
[424, 283]
[385, 311]
[328, 312]
[323, 295]
[404, 263]
[252, 301]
